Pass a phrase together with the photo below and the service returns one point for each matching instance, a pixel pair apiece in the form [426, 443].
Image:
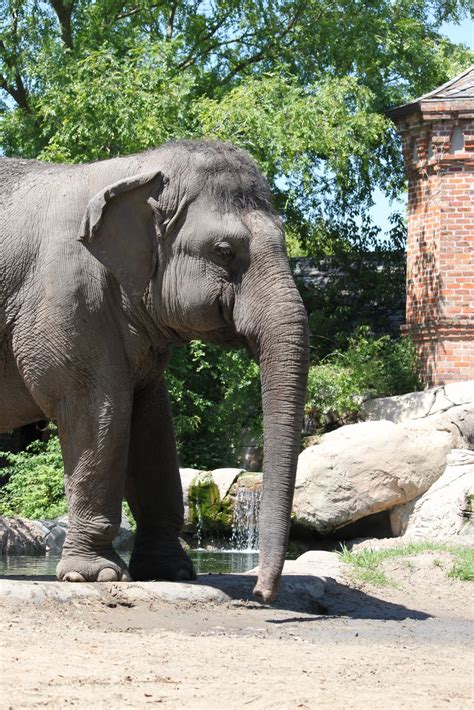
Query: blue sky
[460, 33]
[382, 208]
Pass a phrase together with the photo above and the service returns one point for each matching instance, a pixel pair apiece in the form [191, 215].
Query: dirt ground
[369, 647]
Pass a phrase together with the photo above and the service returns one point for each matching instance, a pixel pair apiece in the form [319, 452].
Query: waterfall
[245, 520]
[199, 523]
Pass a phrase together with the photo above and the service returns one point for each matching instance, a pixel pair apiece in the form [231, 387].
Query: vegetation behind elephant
[103, 268]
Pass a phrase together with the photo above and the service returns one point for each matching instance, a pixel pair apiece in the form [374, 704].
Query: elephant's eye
[223, 253]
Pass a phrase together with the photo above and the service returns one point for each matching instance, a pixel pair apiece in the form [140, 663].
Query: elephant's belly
[17, 407]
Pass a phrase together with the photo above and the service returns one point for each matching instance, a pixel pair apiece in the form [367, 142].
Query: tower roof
[453, 94]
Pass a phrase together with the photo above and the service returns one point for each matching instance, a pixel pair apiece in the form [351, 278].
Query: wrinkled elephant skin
[103, 268]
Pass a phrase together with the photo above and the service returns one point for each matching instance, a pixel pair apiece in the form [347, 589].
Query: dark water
[204, 561]
[223, 561]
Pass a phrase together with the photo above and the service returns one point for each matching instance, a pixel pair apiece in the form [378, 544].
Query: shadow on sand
[310, 595]
[304, 594]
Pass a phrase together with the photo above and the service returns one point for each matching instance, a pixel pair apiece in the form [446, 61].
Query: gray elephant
[103, 268]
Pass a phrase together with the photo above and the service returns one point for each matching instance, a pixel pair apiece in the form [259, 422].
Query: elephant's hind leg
[94, 439]
[154, 490]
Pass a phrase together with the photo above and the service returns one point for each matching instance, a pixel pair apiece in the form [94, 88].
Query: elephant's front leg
[94, 436]
[154, 490]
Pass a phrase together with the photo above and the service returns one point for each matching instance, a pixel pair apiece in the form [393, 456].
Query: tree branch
[124, 15]
[17, 90]
[63, 10]
[259, 56]
[170, 26]
[194, 53]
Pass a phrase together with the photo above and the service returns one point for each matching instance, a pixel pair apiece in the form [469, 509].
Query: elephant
[104, 268]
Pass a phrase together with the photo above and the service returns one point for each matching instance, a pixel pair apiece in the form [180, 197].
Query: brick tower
[437, 132]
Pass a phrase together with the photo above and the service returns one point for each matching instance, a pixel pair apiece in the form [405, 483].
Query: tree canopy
[301, 84]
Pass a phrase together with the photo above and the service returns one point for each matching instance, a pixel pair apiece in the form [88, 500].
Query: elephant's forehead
[260, 223]
[203, 222]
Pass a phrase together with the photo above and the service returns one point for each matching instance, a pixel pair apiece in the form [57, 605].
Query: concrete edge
[302, 583]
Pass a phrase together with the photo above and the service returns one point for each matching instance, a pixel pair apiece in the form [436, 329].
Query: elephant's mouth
[227, 337]
[225, 304]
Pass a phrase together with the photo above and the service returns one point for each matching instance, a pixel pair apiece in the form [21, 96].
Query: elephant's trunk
[282, 344]
[284, 366]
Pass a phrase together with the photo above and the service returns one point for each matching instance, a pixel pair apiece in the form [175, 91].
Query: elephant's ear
[119, 229]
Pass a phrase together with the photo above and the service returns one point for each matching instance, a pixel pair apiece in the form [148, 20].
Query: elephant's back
[35, 212]
[16, 172]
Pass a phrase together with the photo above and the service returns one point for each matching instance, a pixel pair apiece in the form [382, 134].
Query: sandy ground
[403, 647]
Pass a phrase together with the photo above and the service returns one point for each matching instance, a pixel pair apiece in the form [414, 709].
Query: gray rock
[20, 537]
[365, 468]
[224, 478]
[48, 524]
[444, 509]
[187, 476]
[125, 538]
[299, 590]
[417, 405]
[43, 591]
[55, 539]
[315, 563]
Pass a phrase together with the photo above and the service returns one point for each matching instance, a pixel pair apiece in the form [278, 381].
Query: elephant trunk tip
[267, 593]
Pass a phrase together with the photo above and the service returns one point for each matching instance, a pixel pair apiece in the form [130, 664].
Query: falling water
[199, 524]
[245, 520]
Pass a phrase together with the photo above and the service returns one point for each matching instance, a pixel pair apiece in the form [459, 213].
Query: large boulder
[365, 468]
[20, 537]
[447, 506]
[417, 405]
[53, 532]
[187, 477]
[207, 507]
[224, 478]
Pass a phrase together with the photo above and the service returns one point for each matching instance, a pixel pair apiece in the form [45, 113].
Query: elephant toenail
[107, 575]
[73, 577]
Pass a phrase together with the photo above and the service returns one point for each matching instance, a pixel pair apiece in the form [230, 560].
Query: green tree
[301, 84]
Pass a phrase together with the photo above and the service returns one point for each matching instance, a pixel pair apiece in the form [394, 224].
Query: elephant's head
[201, 232]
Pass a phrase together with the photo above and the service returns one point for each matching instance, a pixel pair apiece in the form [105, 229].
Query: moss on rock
[210, 515]
[207, 511]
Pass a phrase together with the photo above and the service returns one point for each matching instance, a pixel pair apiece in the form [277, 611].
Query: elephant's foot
[166, 561]
[94, 568]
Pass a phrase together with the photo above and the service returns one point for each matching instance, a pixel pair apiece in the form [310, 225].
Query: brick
[440, 245]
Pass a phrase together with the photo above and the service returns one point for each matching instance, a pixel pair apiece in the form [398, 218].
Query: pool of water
[223, 561]
[205, 561]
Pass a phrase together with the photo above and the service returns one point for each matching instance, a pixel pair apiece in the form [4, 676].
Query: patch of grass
[373, 576]
[367, 562]
[463, 567]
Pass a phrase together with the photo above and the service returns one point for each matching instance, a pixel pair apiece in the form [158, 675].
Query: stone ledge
[302, 586]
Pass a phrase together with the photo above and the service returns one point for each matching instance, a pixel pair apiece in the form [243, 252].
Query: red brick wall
[440, 249]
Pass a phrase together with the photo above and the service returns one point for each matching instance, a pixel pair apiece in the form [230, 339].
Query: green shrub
[370, 367]
[35, 487]
[215, 397]
[35, 483]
